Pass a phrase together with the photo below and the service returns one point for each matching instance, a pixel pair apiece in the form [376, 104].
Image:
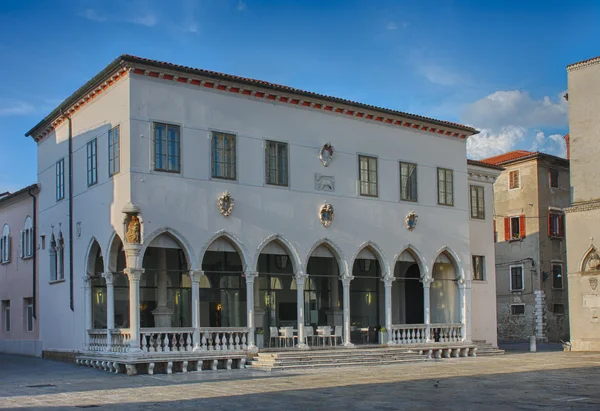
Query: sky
[495, 65]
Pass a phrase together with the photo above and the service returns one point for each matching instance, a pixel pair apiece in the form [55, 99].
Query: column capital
[87, 281]
[250, 276]
[387, 281]
[108, 277]
[195, 275]
[462, 283]
[346, 280]
[427, 281]
[134, 274]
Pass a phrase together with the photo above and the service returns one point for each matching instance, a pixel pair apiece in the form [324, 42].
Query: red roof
[584, 61]
[510, 156]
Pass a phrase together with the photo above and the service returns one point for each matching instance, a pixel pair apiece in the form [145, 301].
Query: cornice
[581, 207]
[583, 64]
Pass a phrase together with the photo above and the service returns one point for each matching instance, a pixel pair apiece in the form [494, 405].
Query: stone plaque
[591, 301]
[324, 183]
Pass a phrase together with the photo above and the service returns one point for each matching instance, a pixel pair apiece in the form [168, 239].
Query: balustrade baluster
[188, 342]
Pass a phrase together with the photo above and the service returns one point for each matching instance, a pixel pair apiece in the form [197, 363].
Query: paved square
[521, 381]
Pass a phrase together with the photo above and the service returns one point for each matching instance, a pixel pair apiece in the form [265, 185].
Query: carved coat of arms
[593, 283]
[326, 154]
[411, 220]
[226, 204]
[326, 214]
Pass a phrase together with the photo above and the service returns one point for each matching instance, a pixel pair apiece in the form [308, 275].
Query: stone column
[387, 282]
[462, 306]
[195, 278]
[134, 275]
[87, 294]
[250, 276]
[162, 313]
[346, 291]
[110, 307]
[426, 307]
[468, 310]
[300, 278]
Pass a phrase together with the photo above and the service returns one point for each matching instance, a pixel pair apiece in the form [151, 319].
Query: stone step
[340, 361]
[488, 352]
[331, 364]
[355, 354]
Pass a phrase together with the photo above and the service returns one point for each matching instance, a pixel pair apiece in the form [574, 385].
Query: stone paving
[520, 381]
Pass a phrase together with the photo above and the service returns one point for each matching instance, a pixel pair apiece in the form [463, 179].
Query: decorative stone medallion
[593, 283]
[594, 261]
[324, 183]
[326, 154]
[226, 204]
[411, 220]
[326, 214]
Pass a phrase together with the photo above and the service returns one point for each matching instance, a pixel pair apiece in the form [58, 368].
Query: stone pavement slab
[548, 380]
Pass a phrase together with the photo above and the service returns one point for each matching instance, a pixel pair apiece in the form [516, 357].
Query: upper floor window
[368, 175]
[478, 268]
[555, 225]
[223, 156]
[477, 202]
[5, 245]
[114, 154]
[514, 228]
[445, 187]
[408, 182]
[60, 179]
[92, 162]
[557, 277]
[277, 163]
[27, 239]
[514, 179]
[553, 175]
[28, 303]
[166, 148]
[6, 314]
[516, 278]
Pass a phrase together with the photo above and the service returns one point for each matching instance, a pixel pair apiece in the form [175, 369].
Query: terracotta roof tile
[510, 156]
[482, 164]
[583, 62]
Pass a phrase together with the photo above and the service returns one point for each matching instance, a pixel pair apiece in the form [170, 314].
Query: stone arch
[335, 250]
[583, 262]
[90, 257]
[458, 266]
[179, 239]
[421, 262]
[378, 252]
[294, 256]
[234, 241]
[111, 255]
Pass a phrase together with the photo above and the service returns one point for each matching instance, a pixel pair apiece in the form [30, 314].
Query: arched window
[5, 245]
[52, 253]
[27, 239]
[60, 252]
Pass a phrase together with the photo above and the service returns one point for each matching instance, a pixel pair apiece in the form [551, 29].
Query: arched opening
[407, 291]
[165, 286]
[444, 296]
[366, 306]
[222, 288]
[277, 287]
[95, 268]
[116, 264]
[323, 292]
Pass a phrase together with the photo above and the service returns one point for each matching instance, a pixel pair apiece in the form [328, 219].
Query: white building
[302, 241]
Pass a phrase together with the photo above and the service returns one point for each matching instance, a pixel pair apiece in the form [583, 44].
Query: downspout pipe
[34, 256]
[71, 305]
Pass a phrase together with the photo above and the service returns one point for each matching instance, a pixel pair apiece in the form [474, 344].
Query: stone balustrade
[224, 339]
[120, 338]
[166, 339]
[409, 333]
[97, 340]
[446, 333]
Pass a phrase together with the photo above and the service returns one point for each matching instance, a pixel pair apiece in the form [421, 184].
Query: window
[514, 180]
[553, 174]
[477, 203]
[114, 153]
[6, 314]
[57, 257]
[478, 267]
[408, 182]
[27, 239]
[277, 163]
[92, 163]
[517, 309]
[555, 225]
[557, 277]
[60, 179]
[28, 303]
[514, 228]
[223, 156]
[368, 175]
[5, 245]
[445, 187]
[558, 308]
[166, 148]
[516, 278]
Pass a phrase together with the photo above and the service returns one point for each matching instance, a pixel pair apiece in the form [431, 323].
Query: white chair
[274, 335]
[326, 334]
[309, 332]
[337, 333]
[287, 333]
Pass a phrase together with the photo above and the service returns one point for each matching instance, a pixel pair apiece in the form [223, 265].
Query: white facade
[184, 204]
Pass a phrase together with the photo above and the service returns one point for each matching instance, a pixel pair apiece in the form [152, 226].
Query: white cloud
[440, 75]
[241, 6]
[489, 143]
[146, 19]
[15, 108]
[93, 15]
[517, 108]
[391, 26]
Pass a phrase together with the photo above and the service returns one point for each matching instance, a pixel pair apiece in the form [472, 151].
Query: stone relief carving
[324, 183]
[326, 154]
[133, 230]
[593, 283]
[226, 204]
[593, 261]
[326, 214]
[411, 220]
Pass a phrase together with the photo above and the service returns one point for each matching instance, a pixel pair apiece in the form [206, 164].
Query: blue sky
[495, 65]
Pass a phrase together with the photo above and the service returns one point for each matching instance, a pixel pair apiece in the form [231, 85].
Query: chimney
[568, 146]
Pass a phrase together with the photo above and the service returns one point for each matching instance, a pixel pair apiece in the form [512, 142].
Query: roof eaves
[18, 193]
[486, 165]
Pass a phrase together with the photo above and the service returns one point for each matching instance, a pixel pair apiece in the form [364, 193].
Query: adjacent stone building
[583, 217]
[529, 197]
